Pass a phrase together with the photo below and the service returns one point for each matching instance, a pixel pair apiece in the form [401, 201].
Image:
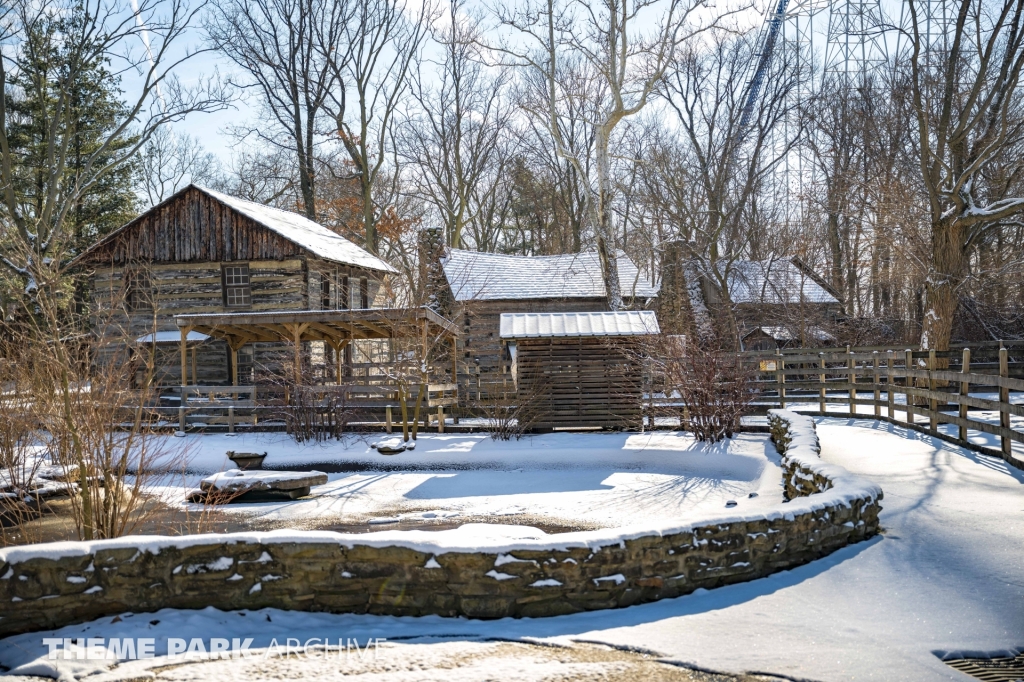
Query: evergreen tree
[94, 101]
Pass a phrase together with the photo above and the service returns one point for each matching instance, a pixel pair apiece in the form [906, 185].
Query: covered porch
[424, 356]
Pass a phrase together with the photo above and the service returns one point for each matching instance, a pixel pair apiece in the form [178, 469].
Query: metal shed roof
[539, 325]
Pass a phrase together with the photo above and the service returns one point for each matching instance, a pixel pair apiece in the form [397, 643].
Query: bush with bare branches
[714, 388]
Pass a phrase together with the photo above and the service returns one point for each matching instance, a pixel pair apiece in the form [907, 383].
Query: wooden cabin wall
[182, 288]
[195, 228]
[319, 269]
[482, 359]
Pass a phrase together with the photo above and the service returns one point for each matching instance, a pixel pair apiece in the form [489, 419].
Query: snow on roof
[780, 333]
[774, 281]
[477, 276]
[620, 323]
[171, 337]
[298, 229]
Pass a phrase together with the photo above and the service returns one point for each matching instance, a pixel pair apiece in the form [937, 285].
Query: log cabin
[480, 287]
[774, 302]
[202, 251]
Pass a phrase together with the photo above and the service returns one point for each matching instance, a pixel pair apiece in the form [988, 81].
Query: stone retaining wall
[417, 572]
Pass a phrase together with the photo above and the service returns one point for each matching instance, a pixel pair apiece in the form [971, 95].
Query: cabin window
[237, 291]
[325, 292]
[364, 293]
[343, 295]
[138, 293]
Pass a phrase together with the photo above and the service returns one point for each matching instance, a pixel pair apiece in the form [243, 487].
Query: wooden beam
[297, 331]
[184, 355]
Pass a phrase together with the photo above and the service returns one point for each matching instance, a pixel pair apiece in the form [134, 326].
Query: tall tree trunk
[369, 224]
[942, 284]
[602, 222]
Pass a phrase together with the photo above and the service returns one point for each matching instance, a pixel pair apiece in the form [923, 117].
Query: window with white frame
[237, 290]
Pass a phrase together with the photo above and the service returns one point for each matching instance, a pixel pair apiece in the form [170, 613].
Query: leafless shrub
[714, 388]
[510, 412]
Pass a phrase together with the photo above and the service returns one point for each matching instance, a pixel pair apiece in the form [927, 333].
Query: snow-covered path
[947, 574]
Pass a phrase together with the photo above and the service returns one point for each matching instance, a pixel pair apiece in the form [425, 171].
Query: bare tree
[382, 38]
[968, 112]
[606, 42]
[142, 39]
[290, 51]
[721, 174]
[459, 140]
[170, 161]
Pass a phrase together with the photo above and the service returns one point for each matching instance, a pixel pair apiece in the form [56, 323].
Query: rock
[731, 503]
[235, 485]
[390, 446]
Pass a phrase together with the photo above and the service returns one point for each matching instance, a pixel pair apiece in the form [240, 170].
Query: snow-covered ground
[946, 575]
[565, 479]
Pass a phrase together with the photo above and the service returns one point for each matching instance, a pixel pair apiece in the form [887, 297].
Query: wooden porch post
[296, 331]
[235, 345]
[184, 376]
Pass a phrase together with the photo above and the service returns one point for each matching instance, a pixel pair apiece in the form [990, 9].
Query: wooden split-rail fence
[919, 389]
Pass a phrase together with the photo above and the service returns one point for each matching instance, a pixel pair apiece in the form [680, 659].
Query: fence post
[852, 366]
[933, 404]
[821, 391]
[965, 390]
[780, 366]
[890, 357]
[1004, 399]
[909, 366]
[878, 394]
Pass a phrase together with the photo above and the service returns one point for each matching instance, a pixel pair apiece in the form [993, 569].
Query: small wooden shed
[579, 369]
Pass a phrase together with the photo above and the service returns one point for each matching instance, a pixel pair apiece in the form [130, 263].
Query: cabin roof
[478, 276]
[776, 282]
[303, 232]
[539, 325]
[299, 230]
[785, 333]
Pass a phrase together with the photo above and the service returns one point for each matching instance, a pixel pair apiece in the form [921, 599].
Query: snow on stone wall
[449, 573]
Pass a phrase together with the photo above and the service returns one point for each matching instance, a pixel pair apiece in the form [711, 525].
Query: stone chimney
[433, 286]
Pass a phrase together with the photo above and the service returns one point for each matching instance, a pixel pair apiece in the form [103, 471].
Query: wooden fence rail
[932, 395]
[234, 405]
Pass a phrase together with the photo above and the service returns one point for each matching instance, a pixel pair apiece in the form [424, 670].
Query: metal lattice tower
[801, 35]
[856, 44]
